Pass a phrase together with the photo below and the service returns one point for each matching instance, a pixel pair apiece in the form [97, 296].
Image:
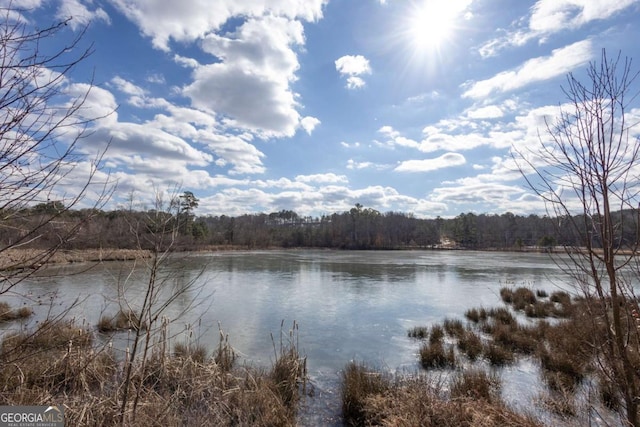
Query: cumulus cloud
[353, 67]
[127, 139]
[323, 178]
[309, 124]
[185, 62]
[127, 87]
[165, 20]
[427, 165]
[552, 16]
[560, 62]
[251, 84]
[80, 14]
[487, 112]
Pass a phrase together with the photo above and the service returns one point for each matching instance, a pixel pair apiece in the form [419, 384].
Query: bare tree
[586, 171]
[158, 228]
[41, 126]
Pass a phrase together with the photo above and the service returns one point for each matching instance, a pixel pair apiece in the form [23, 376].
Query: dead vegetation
[61, 363]
[373, 398]
[568, 349]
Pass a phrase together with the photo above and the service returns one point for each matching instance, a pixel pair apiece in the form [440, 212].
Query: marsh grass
[359, 385]
[59, 362]
[437, 334]
[437, 356]
[476, 315]
[193, 351]
[418, 332]
[515, 338]
[123, 320]
[476, 384]
[471, 345]
[7, 313]
[373, 398]
[541, 293]
[454, 327]
[497, 355]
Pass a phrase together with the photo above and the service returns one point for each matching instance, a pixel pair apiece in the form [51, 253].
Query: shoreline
[16, 258]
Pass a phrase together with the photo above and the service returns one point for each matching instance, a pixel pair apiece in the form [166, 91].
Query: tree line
[357, 228]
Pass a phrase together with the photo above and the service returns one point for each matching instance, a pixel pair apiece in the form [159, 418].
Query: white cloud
[323, 178]
[164, 20]
[80, 15]
[353, 66]
[552, 16]
[488, 112]
[492, 196]
[127, 87]
[354, 165]
[185, 62]
[561, 61]
[309, 124]
[257, 64]
[352, 145]
[354, 82]
[310, 201]
[427, 165]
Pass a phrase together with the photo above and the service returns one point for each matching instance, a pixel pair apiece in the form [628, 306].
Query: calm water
[349, 305]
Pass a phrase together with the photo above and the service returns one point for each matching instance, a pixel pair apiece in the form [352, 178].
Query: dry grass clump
[454, 327]
[515, 338]
[289, 370]
[436, 356]
[560, 297]
[418, 401]
[497, 355]
[48, 336]
[471, 345]
[476, 384]
[7, 313]
[437, 334]
[541, 293]
[502, 316]
[195, 352]
[418, 332]
[58, 363]
[123, 320]
[476, 315]
[359, 384]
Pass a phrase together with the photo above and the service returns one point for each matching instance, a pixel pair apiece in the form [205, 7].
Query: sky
[316, 105]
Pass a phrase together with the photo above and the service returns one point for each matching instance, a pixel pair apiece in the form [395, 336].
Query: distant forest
[358, 228]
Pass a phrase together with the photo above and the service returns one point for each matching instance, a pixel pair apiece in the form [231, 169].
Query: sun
[432, 23]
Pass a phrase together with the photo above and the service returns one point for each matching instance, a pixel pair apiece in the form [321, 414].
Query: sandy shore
[29, 258]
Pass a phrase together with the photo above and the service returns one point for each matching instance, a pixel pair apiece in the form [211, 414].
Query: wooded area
[358, 228]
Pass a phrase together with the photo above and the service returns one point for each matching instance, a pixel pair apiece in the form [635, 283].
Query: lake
[349, 305]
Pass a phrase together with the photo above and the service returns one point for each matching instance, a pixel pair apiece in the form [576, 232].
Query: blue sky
[316, 105]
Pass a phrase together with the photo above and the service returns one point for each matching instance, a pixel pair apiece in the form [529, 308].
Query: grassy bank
[11, 259]
[183, 385]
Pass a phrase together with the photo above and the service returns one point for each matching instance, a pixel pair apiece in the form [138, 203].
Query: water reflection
[349, 305]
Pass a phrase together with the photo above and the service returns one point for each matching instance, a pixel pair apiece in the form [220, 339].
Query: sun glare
[433, 22]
